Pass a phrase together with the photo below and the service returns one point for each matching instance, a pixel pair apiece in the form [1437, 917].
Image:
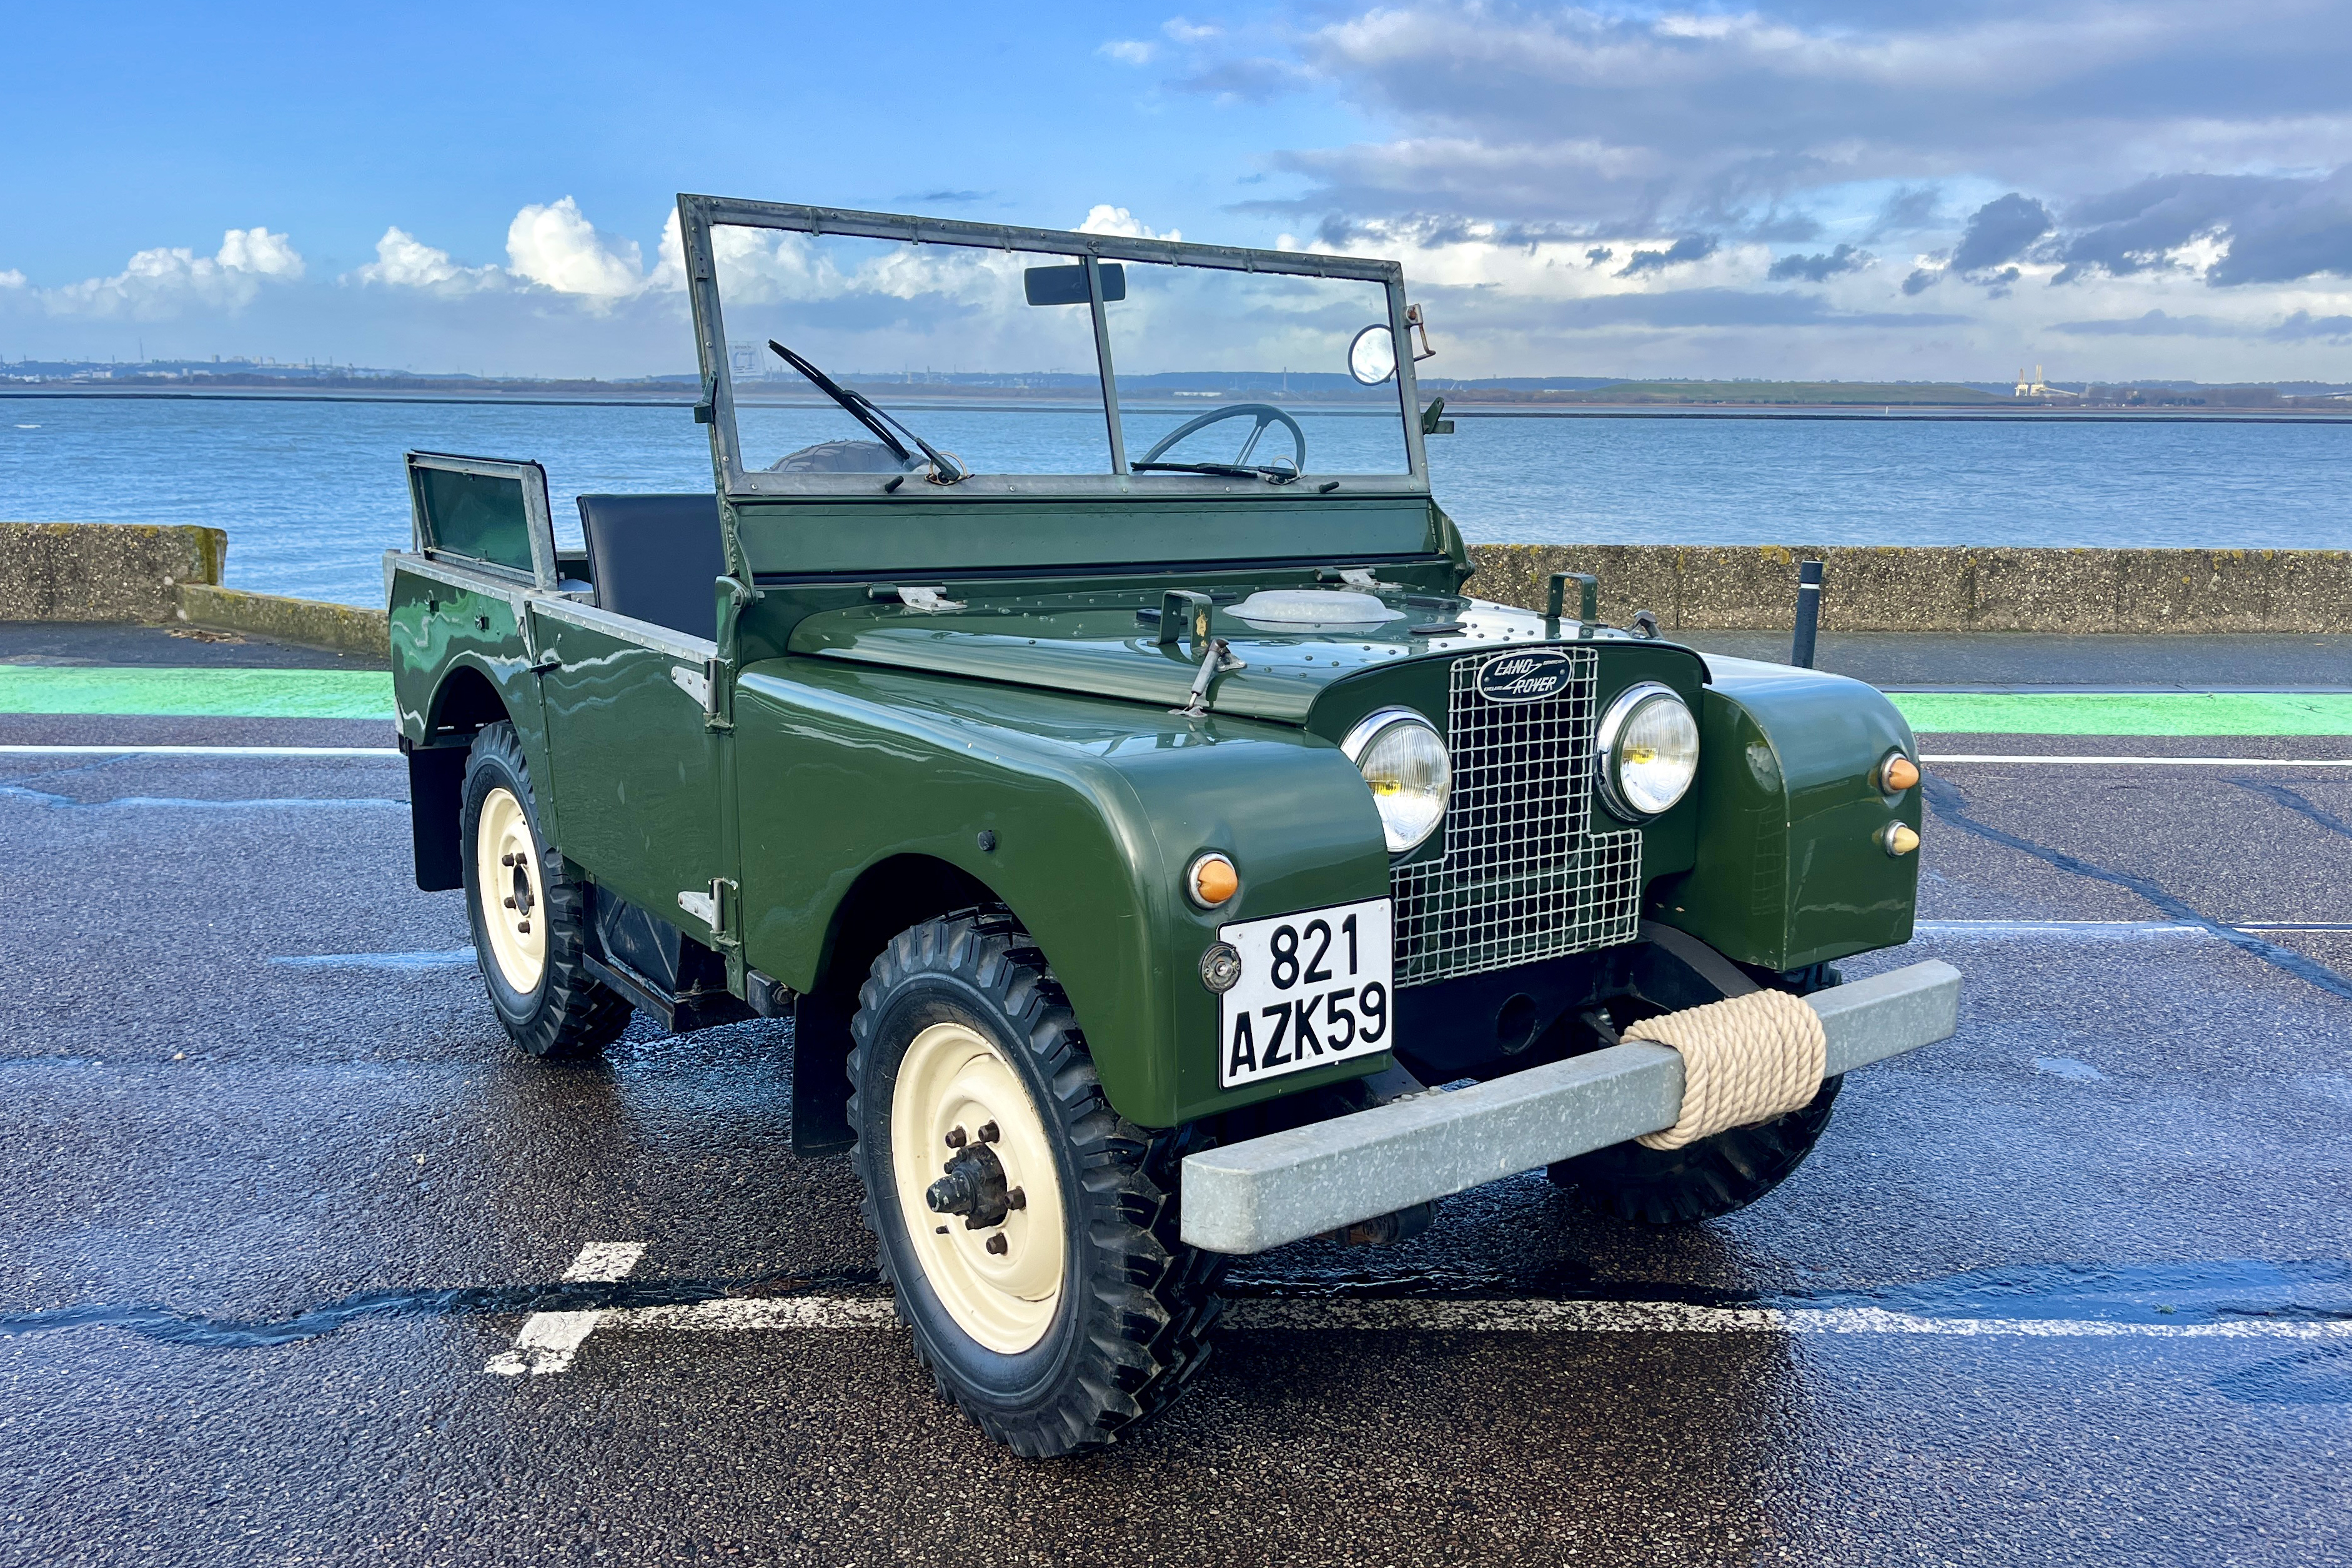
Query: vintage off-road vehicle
[1093, 751]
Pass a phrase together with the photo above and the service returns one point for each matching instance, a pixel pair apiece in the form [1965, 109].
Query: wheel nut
[955, 1138]
[1016, 1199]
[987, 1132]
[507, 860]
[509, 904]
[998, 1245]
[523, 926]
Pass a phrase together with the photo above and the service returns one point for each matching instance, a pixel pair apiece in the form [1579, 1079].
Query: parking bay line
[549, 1340]
[552, 1348]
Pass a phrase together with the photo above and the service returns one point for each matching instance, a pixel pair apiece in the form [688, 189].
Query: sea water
[311, 493]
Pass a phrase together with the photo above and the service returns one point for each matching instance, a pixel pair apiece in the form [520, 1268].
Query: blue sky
[1833, 189]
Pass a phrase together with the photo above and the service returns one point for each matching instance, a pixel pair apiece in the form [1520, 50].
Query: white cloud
[1130, 51]
[1105, 218]
[1185, 32]
[403, 261]
[668, 275]
[167, 282]
[12, 278]
[558, 248]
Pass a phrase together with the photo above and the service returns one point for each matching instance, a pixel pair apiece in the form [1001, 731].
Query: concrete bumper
[1250, 1196]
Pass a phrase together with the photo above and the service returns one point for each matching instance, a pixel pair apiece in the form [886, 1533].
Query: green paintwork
[1790, 871]
[1097, 806]
[908, 533]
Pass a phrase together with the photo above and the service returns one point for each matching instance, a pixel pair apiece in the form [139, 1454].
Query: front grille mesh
[1522, 876]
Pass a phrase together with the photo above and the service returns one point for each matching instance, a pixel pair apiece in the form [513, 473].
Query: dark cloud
[1599, 254]
[1821, 269]
[2154, 324]
[1684, 308]
[1644, 119]
[1907, 211]
[1998, 232]
[2300, 327]
[949, 198]
[2277, 229]
[2303, 327]
[1690, 248]
[1921, 281]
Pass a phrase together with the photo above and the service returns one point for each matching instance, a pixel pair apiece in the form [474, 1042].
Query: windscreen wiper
[1272, 475]
[945, 469]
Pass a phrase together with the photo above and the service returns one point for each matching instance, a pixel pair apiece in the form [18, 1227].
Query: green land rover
[1067, 709]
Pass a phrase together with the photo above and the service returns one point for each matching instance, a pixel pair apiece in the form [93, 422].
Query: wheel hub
[508, 875]
[967, 1143]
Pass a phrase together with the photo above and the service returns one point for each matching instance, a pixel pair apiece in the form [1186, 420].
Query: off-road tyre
[564, 1013]
[1705, 1179]
[1130, 1326]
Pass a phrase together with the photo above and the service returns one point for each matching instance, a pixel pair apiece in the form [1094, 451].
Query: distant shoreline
[1889, 413]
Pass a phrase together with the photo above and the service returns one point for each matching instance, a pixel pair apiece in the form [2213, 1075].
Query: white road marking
[1426, 1316]
[436, 959]
[2109, 930]
[2143, 762]
[198, 751]
[549, 1340]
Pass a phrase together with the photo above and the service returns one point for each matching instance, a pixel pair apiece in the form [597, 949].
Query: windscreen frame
[698, 214]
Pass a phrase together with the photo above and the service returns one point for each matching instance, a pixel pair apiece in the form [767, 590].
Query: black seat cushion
[655, 558]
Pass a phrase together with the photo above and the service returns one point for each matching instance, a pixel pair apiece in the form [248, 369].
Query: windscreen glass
[1254, 374]
[935, 359]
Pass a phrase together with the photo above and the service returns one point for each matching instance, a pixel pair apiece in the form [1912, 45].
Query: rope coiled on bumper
[1745, 1060]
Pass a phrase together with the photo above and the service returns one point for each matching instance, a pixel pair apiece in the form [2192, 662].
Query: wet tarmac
[275, 1196]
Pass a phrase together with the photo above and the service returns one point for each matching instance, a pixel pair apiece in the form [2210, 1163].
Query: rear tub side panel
[1791, 870]
[1096, 806]
[442, 659]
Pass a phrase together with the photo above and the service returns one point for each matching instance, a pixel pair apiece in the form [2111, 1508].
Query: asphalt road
[2071, 1287]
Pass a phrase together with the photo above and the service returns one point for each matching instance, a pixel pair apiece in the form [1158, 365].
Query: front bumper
[1249, 1196]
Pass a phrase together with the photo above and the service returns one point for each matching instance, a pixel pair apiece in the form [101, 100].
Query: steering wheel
[1267, 414]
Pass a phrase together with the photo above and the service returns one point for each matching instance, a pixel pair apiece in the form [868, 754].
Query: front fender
[1095, 808]
[1791, 868]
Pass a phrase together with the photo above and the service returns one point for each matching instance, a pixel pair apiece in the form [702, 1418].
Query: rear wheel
[528, 913]
[1029, 1232]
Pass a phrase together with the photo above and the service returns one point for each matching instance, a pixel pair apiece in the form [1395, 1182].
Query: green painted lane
[367, 694]
[196, 693]
[2127, 713]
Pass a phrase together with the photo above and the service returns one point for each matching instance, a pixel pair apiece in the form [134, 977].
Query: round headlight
[1404, 762]
[1648, 750]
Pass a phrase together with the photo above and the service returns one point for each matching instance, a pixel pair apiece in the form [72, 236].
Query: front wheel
[1029, 1232]
[1705, 1179]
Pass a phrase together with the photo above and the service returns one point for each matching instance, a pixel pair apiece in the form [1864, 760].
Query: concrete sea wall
[103, 571]
[1934, 589]
[141, 572]
[130, 572]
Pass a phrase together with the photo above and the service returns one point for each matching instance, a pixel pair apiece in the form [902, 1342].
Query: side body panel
[1791, 870]
[1094, 808]
[635, 765]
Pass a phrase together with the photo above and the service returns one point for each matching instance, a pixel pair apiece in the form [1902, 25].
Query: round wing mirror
[1371, 358]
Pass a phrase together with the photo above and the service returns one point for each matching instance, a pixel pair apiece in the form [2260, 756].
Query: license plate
[1316, 988]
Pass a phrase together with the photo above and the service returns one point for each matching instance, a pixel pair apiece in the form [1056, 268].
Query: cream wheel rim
[513, 899]
[1001, 1282]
